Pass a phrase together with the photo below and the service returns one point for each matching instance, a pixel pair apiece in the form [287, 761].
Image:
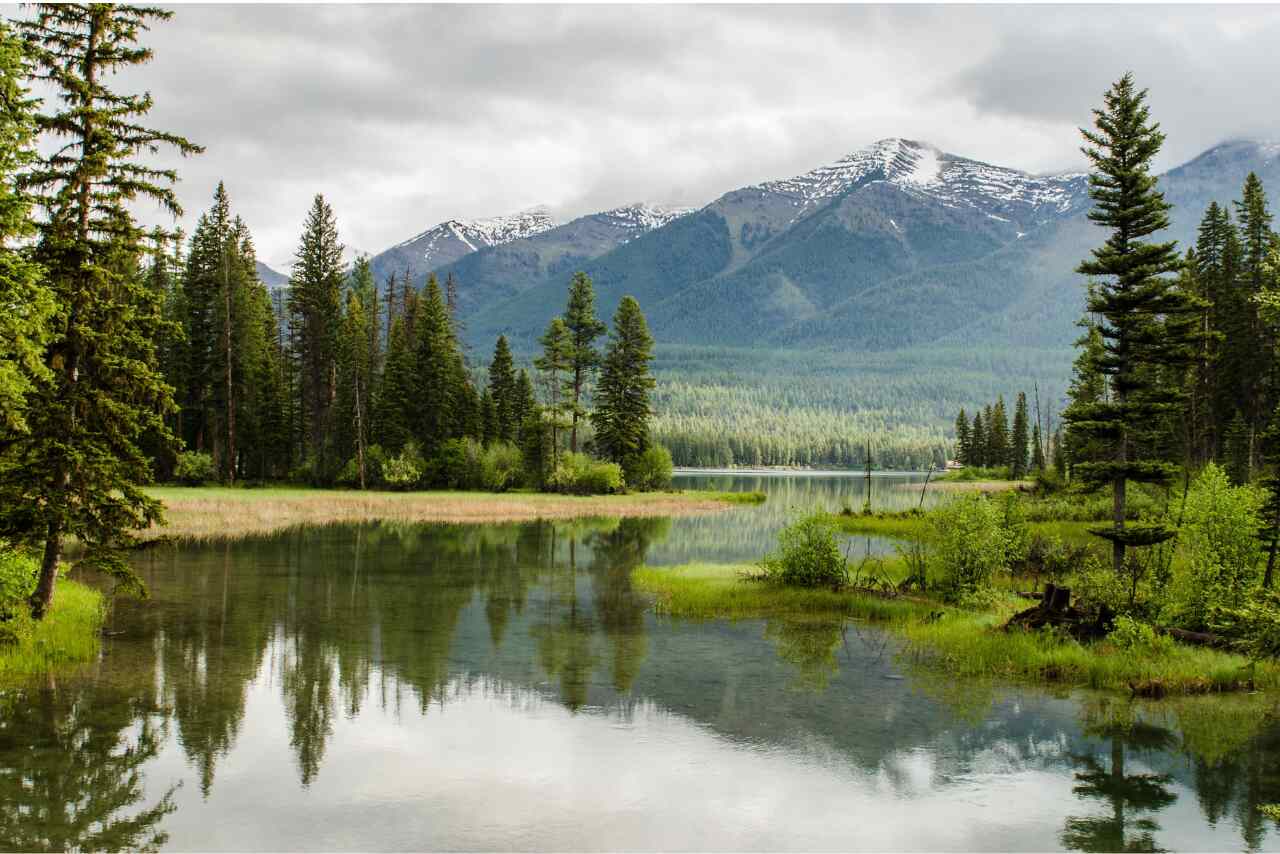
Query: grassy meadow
[206, 512]
[68, 635]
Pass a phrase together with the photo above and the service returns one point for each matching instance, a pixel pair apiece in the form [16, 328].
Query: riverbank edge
[208, 513]
[957, 641]
[69, 635]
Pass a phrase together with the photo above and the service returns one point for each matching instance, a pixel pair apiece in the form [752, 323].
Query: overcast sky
[403, 116]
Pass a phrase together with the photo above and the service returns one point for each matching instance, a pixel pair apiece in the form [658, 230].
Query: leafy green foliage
[969, 545]
[1138, 637]
[650, 469]
[406, 469]
[194, 468]
[579, 474]
[1253, 624]
[807, 555]
[500, 467]
[19, 571]
[1219, 537]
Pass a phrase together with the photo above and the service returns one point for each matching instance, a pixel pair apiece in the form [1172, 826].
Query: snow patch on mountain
[643, 217]
[922, 168]
[478, 233]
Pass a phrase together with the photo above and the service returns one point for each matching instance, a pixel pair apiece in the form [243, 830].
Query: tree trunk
[231, 401]
[577, 397]
[359, 431]
[42, 598]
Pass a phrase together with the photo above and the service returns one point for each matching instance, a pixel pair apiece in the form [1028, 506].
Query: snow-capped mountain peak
[923, 168]
[645, 216]
[475, 234]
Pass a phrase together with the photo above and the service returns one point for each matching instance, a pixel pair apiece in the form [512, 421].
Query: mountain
[270, 277]
[888, 246]
[284, 268]
[449, 241]
[498, 273]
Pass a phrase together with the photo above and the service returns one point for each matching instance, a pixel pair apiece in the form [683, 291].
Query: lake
[393, 686]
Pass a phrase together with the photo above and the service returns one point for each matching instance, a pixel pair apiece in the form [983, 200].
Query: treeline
[339, 383]
[989, 442]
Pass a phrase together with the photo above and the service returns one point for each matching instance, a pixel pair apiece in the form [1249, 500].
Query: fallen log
[1199, 638]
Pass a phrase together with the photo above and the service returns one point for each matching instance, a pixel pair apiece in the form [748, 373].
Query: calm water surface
[384, 687]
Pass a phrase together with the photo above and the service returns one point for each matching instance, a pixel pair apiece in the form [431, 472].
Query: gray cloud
[406, 115]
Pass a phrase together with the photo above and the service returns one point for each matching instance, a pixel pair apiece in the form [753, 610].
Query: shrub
[406, 469]
[500, 467]
[1134, 636]
[970, 544]
[650, 469]
[194, 468]
[1253, 626]
[1096, 585]
[19, 571]
[807, 555]
[457, 465]
[578, 474]
[1219, 536]
[374, 460]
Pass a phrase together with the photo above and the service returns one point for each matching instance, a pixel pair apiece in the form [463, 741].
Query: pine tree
[1132, 298]
[978, 441]
[526, 401]
[441, 398]
[584, 328]
[1236, 447]
[998, 430]
[555, 365]
[489, 418]
[1270, 483]
[623, 409]
[1259, 344]
[1019, 439]
[502, 385]
[79, 471]
[28, 302]
[315, 308]
[962, 438]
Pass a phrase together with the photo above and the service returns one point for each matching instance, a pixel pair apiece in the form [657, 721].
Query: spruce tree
[80, 470]
[526, 400]
[1037, 450]
[1018, 440]
[441, 397]
[998, 429]
[978, 441]
[555, 365]
[1270, 483]
[1132, 299]
[28, 302]
[962, 438]
[623, 409]
[502, 385]
[315, 294]
[584, 328]
[1258, 370]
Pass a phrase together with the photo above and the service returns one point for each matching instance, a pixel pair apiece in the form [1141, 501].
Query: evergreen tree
[1270, 483]
[978, 441]
[315, 290]
[962, 438]
[442, 386]
[80, 469]
[1236, 446]
[490, 420]
[998, 429]
[28, 302]
[1018, 440]
[555, 365]
[394, 400]
[357, 357]
[1257, 380]
[502, 385]
[526, 401]
[1133, 298]
[623, 409]
[584, 328]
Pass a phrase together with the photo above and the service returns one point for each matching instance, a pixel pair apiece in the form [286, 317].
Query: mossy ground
[958, 641]
[69, 634]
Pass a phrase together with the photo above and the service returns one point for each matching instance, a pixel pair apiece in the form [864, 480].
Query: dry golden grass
[975, 485]
[202, 513]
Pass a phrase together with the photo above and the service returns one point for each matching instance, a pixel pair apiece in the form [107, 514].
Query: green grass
[68, 635]
[737, 497]
[954, 640]
[914, 526]
[968, 474]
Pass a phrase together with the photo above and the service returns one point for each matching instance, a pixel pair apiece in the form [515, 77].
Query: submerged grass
[958, 641]
[200, 513]
[69, 634]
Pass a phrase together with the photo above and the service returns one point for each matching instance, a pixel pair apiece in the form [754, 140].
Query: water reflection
[402, 686]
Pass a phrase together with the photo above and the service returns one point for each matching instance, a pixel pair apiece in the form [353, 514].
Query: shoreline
[209, 513]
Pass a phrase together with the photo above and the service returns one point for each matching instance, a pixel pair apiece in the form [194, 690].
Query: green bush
[500, 467]
[1219, 538]
[457, 465]
[194, 468]
[650, 470]
[374, 461]
[1253, 626]
[807, 555]
[1134, 636]
[406, 469]
[19, 571]
[579, 474]
[969, 543]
